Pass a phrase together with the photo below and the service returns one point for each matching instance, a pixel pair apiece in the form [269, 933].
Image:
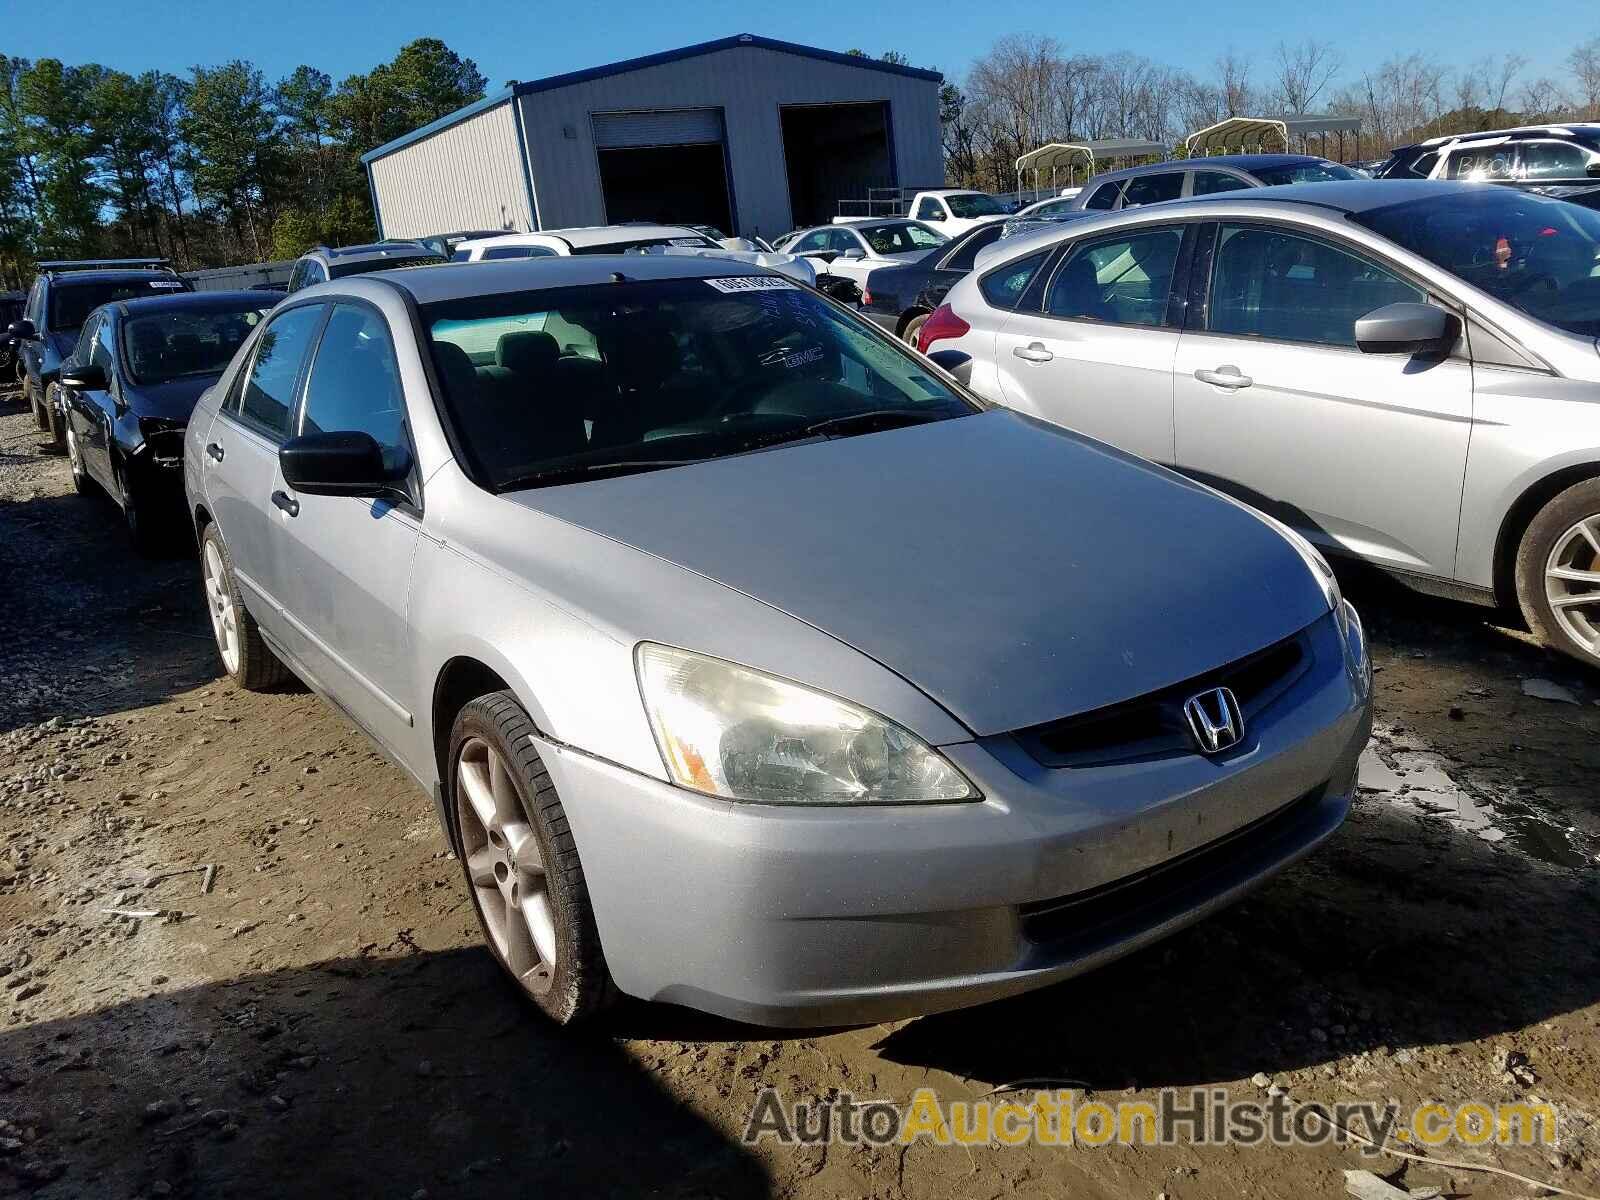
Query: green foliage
[222, 166]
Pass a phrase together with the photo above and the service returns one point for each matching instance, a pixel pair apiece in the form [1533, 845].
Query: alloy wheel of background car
[1558, 572]
[521, 863]
[1572, 583]
[244, 655]
[913, 327]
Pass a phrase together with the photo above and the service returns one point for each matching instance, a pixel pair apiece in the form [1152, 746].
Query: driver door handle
[1033, 352]
[215, 451]
[1225, 377]
[286, 502]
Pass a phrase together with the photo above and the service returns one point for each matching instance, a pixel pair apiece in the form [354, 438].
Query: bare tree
[1498, 76]
[1233, 83]
[1304, 73]
[1468, 90]
[1541, 99]
[1584, 63]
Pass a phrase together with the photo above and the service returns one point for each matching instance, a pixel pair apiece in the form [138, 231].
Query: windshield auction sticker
[752, 283]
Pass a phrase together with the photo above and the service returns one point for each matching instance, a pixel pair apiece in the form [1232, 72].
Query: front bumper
[792, 916]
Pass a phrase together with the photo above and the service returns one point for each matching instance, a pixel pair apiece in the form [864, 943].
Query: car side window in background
[518, 252]
[962, 259]
[101, 353]
[816, 240]
[354, 384]
[1122, 281]
[1553, 160]
[1271, 284]
[267, 398]
[83, 351]
[1003, 286]
[1208, 183]
[1491, 162]
[843, 241]
[928, 210]
[1152, 189]
[1105, 196]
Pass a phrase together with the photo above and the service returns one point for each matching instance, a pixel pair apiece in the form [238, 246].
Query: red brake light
[941, 323]
[866, 298]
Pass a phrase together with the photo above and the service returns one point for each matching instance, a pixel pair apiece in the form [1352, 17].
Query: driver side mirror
[339, 464]
[84, 377]
[23, 330]
[852, 255]
[1406, 328]
[1592, 170]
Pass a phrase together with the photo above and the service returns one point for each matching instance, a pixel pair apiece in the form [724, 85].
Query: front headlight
[1355, 643]
[735, 733]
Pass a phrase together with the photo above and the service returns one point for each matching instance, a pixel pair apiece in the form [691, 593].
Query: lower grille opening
[1124, 900]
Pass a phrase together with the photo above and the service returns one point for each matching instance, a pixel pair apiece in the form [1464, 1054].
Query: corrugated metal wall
[749, 84]
[468, 176]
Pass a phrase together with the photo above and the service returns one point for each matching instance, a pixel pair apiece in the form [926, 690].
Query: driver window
[814, 241]
[1272, 284]
[844, 241]
[354, 384]
[101, 354]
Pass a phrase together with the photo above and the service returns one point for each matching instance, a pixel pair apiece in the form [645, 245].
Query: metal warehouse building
[751, 135]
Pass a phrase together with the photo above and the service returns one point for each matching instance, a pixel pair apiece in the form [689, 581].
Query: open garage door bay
[668, 166]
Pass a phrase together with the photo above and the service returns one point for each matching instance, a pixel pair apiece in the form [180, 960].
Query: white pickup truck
[955, 210]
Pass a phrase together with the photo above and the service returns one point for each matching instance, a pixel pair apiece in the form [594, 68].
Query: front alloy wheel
[80, 477]
[1572, 583]
[1558, 572]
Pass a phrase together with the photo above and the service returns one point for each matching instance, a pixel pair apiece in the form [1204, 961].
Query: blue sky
[525, 39]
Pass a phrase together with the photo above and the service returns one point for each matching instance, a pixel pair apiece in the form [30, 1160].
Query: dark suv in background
[1539, 157]
[61, 299]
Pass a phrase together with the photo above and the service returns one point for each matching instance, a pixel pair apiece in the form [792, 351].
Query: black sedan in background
[129, 387]
[899, 298]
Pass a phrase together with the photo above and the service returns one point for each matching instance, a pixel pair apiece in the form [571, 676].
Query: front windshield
[900, 237]
[1310, 172]
[563, 385]
[974, 204]
[1534, 253]
[165, 346]
[72, 302]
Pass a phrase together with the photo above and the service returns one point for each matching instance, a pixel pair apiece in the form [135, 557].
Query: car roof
[1345, 195]
[1241, 162]
[193, 302]
[1588, 129]
[68, 278]
[461, 280]
[373, 250]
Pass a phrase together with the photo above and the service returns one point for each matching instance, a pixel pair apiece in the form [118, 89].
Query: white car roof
[588, 235]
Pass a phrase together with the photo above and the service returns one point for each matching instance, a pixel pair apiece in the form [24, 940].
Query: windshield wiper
[591, 470]
[874, 419]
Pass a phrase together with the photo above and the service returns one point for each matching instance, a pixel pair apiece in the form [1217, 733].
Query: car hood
[172, 401]
[1014, 572]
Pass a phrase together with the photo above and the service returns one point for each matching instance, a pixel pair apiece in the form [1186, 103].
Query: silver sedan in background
[1403, 372]
[752, 663]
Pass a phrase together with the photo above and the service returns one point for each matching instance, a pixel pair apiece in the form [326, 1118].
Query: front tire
[1558, 572]
[244, 655]
[521, 863]
[53, 420]
[35, 405]
[80, 477]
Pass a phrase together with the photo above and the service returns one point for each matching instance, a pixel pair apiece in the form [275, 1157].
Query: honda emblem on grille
[1214, 720]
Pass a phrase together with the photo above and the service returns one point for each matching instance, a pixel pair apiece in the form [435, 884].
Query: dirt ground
[323, 1021]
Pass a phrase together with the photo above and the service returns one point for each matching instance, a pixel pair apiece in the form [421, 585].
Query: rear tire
[1558, 573]
[244, 655]
[521, 863]
[908, 335]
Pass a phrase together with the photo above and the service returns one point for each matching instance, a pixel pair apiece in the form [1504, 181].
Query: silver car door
[241, 464]
[1276, 404]
[348, 559]
[1098, 357]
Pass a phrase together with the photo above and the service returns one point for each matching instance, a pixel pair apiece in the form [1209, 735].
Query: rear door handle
[1225, 377]
[1033, 352]
[215, 451]
[286, 502]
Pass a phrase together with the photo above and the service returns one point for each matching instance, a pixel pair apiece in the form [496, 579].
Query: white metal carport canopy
[1243, 133]
[1072, 155]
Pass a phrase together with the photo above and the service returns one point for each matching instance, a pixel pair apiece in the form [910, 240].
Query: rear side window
[1152, 189]
[1121, 281]
[1491, 162]
[1208, 183]
[268, 394]
[1105, 196]
[1553, 160]
[518, 252]
[1003, 286]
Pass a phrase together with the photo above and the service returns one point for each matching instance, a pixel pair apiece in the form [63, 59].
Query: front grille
[1153, 725]
[1129, 900]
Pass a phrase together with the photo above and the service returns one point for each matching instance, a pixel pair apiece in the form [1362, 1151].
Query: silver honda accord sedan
[752, 663]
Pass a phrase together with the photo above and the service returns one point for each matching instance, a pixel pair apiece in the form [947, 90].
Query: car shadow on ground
[1400, 932]
[359, 1077]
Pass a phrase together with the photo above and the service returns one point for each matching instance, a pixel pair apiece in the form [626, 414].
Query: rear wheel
[913, 328]
[244, 655]
[521, 862]
[1558, 572]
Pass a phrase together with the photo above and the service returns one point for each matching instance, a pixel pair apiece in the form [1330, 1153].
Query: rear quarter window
[1003, 286]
